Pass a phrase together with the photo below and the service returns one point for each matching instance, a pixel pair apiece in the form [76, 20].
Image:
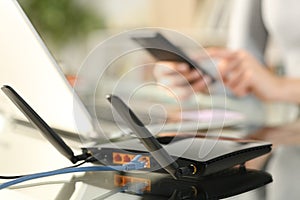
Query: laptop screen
[28, 67]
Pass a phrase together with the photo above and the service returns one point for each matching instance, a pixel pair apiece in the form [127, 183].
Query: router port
[117, 158]
[126, 158]
[122, 158]
[146, 159]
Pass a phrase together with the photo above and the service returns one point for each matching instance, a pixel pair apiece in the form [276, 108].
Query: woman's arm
[244, 74]
[288, 90]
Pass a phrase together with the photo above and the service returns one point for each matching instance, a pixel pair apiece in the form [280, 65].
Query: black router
[180, 156]
[225, 154]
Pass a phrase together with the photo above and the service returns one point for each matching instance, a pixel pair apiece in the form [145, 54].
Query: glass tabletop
[102, 185]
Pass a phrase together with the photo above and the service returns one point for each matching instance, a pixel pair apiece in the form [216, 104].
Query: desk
[24, 150]
[17, 142]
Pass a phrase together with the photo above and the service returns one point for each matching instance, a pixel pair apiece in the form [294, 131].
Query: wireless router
[223, 184]
[183, 156]
[180, 158]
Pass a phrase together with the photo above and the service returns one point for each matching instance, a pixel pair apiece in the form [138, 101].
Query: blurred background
[73, 28]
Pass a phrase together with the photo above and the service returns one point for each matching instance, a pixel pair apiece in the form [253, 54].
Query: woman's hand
[244, 75]
[180, 79]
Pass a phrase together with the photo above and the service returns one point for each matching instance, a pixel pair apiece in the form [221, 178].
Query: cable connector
[134, 164]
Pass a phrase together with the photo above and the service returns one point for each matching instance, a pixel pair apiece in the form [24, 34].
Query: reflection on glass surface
[161, 186]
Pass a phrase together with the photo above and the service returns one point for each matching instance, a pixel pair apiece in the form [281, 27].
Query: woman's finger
[165, 67]
[242, 86]
[227, 65]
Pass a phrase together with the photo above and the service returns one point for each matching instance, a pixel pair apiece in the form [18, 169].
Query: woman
[241, 66]
[243, 71]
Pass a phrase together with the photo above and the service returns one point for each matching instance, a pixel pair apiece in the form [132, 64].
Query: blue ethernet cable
[135, 164]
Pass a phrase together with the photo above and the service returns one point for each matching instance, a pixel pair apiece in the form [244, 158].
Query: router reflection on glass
[159, 157]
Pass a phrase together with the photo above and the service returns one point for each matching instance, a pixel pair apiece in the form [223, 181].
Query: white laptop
[27, 66]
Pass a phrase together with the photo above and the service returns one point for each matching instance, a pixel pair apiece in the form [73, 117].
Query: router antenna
[40, 124]
[149, 141]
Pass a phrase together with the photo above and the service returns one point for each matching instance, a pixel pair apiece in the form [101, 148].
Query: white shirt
[253, 21]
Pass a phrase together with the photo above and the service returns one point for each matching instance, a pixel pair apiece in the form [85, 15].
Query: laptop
[31, 69]
[26, 64]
